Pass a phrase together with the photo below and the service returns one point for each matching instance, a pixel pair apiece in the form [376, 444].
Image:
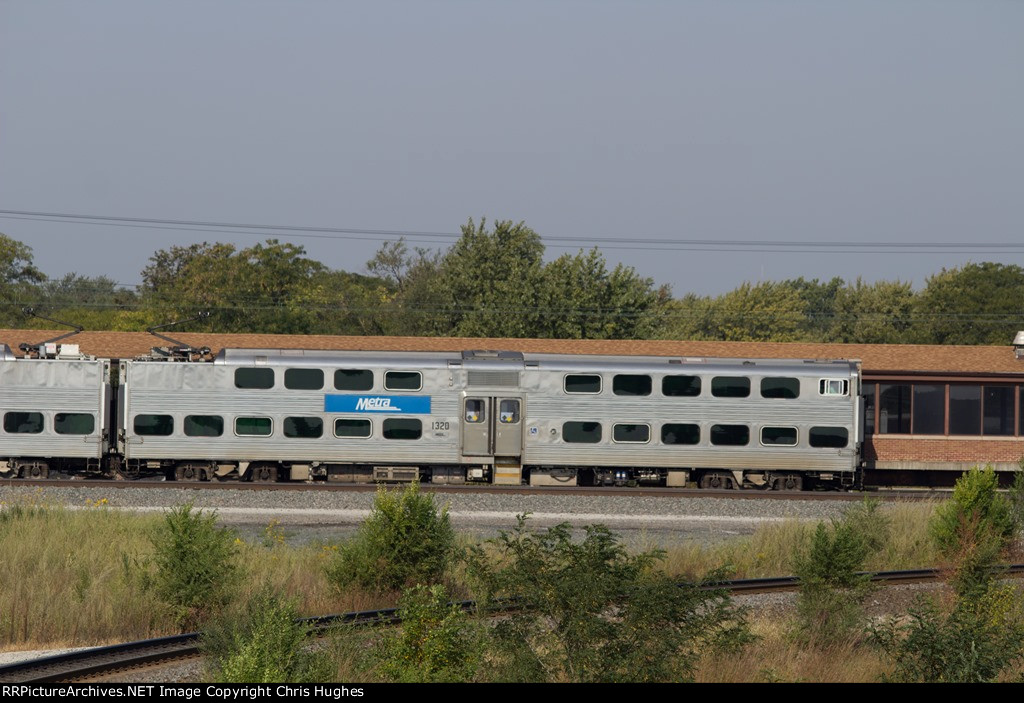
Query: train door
[492, 431]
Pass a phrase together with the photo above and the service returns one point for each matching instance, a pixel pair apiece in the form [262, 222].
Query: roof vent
[1018, 345]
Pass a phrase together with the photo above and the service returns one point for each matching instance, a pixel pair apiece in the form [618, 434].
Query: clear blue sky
[874, 120]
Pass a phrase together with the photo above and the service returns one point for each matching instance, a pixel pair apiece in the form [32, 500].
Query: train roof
[877, 359]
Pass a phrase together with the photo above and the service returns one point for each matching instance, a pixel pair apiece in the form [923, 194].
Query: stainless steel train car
[55, 412]
[501, 417]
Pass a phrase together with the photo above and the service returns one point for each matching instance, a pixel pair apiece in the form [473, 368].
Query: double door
[492, 426]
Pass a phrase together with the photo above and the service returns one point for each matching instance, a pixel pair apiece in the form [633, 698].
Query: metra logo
[376, 403]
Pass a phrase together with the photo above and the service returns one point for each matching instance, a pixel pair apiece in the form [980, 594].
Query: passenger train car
[479, 416]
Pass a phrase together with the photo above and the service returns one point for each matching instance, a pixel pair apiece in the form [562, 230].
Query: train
[479, 416]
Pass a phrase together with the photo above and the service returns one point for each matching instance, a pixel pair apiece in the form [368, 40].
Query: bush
[404, 541]
[594, 613]
[264, 644]
[434, 644]
[195, 564]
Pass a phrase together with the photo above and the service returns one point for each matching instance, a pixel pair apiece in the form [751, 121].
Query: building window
[677, 433]
[353, 379]
[304, 379]
[894, 408]
[254, 426]
[403, 380]
[582, 383]
[631, 433]
[352, 428]
[23, 423]
[630, 384]
[780, 387]
[260, 379]
[402, 428]
[581, 432]
[929, 409]
[680, 386]
[998, 419]
[303, 427]
[829, 437]
[154, 425]
[730, 387]
[74, 423]
[778, 436]
[203, 426]
[964, 409]
[730, 435]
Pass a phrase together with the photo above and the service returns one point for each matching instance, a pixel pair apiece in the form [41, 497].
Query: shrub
[195, 564]
[264, 643]
[406, 540]
[594, 613]
[434, 644]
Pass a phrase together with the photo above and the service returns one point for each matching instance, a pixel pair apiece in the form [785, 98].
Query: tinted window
[829, 437]
[778, 436]
[998, 418]
[894, 408]
[403, 380]
[74, 423]
[353, 379]
[631, 433]
[680, 434]
[581, 432]
[204, 425]
[303, 427]
[402, 428]
[154, 425]
[964, 409]
[253, 426]
[351, 428]
[730, 435]
[780, 387]
[254, 378]
[730, 387]
[23, 423]
[628, 384]
[680, 385]
[582, 383]
[304, 379]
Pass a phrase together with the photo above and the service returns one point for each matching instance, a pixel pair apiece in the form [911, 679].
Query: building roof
[877, 359]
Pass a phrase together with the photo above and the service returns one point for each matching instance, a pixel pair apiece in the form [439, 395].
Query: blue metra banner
[394, 404]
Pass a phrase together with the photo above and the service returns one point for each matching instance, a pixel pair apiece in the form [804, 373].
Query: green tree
[878, 313]
[766, 312]
[975, 304]
[18, 278]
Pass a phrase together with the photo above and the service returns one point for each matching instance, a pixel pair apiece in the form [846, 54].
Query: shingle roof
[876, 358]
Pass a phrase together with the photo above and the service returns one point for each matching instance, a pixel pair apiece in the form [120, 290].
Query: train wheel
[717, 480]
[788, 482]
[188, 472]
[264, 473]
[36, 470]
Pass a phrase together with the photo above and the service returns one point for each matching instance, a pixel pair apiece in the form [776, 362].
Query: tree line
[495, 282]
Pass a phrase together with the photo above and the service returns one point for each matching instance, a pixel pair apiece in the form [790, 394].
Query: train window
[23, 423]
[402, 428]
[508, 412]
[780, 387]
[353, 379]
[673, 433]
[475, 411]
[352, 428]
[304, 379]
[778, 436]
[631, 433]
[254, 378]
[204, 425]
[74, 423]
[680, 385]
[834, 386]
[730, 435]
[631, 384]
[154, 425]
[929, 408]
[303, 427]
[403, 380]
[582, 383]
[829, 437]
[254, 426]
[730, 387]
[581, 432]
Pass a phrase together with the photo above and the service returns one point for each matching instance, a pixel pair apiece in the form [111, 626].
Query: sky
[844, 128]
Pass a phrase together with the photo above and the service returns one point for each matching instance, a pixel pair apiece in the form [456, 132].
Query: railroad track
[104, 661]
[655, 492]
